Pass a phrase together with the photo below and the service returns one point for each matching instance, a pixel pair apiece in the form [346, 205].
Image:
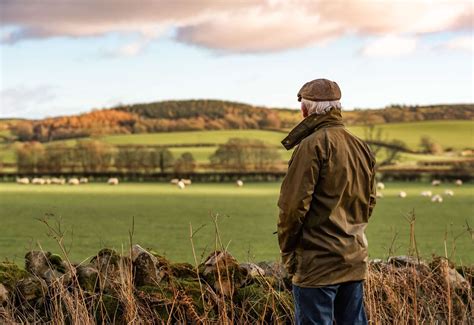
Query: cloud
[233, 25]
[22, 101]
[463, 43]
[390, 46]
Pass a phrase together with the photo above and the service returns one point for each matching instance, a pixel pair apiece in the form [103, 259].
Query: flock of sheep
[60, 181]
[437, 198]
[182, 183]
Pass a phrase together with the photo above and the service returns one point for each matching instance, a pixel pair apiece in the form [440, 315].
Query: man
[326, 199]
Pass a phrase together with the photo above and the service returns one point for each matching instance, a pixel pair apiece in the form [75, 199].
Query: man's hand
[289, 262]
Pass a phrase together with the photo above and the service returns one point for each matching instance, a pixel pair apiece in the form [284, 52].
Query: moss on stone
[10, 274]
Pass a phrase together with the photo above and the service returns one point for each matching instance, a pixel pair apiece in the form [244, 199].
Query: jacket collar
[309, 125]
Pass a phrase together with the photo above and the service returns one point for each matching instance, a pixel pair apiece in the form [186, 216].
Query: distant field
[98, 215]
[450, 134]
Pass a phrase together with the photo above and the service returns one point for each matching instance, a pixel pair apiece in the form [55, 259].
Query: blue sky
[66, 69]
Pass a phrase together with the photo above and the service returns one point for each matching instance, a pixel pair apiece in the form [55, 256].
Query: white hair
[320, 108]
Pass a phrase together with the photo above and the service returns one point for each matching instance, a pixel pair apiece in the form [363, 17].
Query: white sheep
[59, 181]
[186, 181]
[437, 198]
[459, 182]
[38, 181]
[83, 180]
[47, 181]
[380, 186]
[449, 192]
[379, 195]
[436, 182]
[174, 181]
[73, 181]
[402, 194]
[181, 185]
[426, 193]
[113, 181]
[239, 183]
[23, 180]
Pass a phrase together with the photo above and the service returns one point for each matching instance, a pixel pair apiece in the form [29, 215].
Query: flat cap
[320, 90]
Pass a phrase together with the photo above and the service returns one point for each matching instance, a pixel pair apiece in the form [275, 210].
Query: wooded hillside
[191, 115]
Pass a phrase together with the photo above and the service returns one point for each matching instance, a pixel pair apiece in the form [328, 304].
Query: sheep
[113, 181]
[186, 181]
[83, 180]
[426, 193]
[402, 194]
[38, 181]
[23, 180]
[449, 192]
[73, 181]
[437, 198]
[459, 182]
[239, 183]
[181, 185]
[47, 181]
[436, 182]
[379, 195]
[174, 181]
[380, 186]
[59, 181]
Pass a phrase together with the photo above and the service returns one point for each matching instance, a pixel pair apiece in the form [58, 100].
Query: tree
[30, 157]
[57, 157]
[429, 146]
[244, 154]
[94, 155]
[23, 131]
[185, 164]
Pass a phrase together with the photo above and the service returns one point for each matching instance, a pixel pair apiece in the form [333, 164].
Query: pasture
[97, 215]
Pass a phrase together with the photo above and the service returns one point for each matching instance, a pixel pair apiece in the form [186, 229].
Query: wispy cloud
[390, 46]
[233, 25]
[22, 100]
[463, 43]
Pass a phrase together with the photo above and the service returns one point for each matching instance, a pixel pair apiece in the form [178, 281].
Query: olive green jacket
[326, 199]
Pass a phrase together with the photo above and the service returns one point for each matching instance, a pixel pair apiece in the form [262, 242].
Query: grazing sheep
[47, 181]
[459, 182]
[23, 180]
[239, 183]
[174, 181]
[437, 198]
[83, 180]
[38, 181]
[380, 186]
[449, 192]
[426, 193]
[73, 181]
[186, 181]
[436, 182]
[402, 194]
[181, 185]
[113, 181]
[379, 194]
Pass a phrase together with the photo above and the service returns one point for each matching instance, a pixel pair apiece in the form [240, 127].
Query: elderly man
[326, 199]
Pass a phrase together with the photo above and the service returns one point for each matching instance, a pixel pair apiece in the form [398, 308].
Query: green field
[98, 215]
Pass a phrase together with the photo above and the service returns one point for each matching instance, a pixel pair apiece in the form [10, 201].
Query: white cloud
[233, 25]
[463, 43]
[390, 46]
[22, 101]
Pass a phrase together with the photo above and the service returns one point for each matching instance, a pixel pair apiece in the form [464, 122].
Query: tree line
[193, 115]
[96, 156]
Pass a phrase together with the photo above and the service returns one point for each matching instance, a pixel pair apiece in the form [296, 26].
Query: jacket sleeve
[373, 192]
[295, 199]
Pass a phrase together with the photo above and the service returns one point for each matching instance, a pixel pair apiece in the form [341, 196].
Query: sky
[63, 57]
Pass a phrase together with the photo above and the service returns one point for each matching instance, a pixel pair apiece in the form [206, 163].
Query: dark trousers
[343, 303]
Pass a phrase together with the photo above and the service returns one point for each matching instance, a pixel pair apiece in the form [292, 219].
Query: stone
[253, 269]
[145, 270]
[37, 262]
[405, 261]
[88, 277]
[4, 294]
[31, 288]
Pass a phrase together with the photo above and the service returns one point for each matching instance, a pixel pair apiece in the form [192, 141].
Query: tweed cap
[320, 90]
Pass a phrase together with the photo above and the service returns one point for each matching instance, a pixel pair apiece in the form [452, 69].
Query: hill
[194, 115]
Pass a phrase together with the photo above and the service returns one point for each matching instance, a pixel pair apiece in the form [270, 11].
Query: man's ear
[304, 110]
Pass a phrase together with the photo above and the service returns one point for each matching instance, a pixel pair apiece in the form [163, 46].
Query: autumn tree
[185, 164]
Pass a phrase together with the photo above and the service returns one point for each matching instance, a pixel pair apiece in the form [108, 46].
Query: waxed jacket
[326, 199]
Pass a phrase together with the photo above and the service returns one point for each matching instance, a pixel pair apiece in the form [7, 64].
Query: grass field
[98, 215]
